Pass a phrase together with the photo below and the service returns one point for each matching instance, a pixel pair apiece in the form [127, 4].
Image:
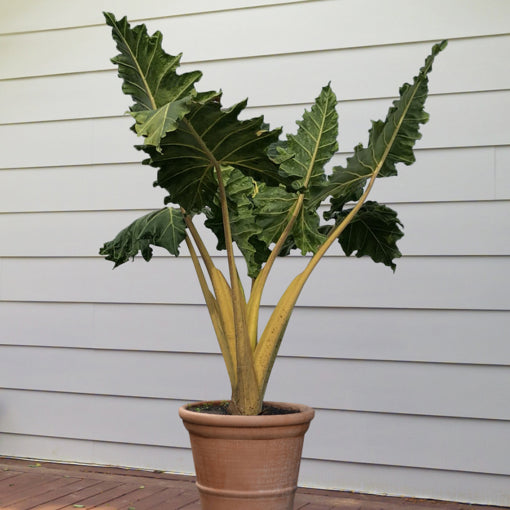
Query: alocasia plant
[257, 191]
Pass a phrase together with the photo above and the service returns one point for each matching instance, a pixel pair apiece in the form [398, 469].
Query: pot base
[213, 499]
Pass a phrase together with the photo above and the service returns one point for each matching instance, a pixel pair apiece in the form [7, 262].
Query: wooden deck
[29, 484]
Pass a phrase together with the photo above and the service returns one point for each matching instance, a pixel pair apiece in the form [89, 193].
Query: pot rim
[304, 414]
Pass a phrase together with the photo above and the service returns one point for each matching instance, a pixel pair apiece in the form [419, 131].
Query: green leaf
[186, 133]
[306, 231]
[147, 70]
[278, 152]
[313, 145]
[390, 142]
[274, 209]
[211, 135]
[155, 124]
[302, 158]
[164, 228]
[275, 206]
[374, 231]
[240, 191]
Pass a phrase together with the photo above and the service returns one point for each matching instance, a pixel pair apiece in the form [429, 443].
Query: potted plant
[263, 194]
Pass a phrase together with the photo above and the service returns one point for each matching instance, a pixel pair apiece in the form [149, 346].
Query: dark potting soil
[222, 408]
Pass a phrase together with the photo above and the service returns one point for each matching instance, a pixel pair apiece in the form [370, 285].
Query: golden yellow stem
[198, 241]
[221, 289]
[260, 281]
[212, 307]
[270, 339]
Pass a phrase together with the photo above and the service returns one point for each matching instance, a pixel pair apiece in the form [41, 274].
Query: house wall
[409, 372]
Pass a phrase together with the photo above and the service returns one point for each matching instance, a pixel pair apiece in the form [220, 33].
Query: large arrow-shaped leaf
[147, 70]
[162, 97]
[187, 134]
[302, 159]
[209, 137]
[314, 144]
[390, 142]
[164, 228]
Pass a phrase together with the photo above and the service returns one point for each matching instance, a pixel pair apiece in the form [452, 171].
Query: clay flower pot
[247, 462]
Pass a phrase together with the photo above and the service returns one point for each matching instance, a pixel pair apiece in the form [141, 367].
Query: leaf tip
[442, 45]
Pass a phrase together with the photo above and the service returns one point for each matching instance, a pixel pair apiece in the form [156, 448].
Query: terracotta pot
[247, 462]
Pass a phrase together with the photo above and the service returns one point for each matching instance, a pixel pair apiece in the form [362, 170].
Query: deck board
[27, 485]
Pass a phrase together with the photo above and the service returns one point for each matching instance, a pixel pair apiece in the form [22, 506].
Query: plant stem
[221, 289]
[223, 204]
[270, 340]
[198, 241]
[245, 394]
[212, 306]
[260, 281]
[336, 231]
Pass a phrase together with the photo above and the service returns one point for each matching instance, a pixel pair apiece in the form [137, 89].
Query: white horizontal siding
[441, 336]
[430, 228]
[466, 120]
[442, 175]
[354, 385]
[436, 443]
[439, 443]
[501, 173]
[478, 283]
[29, 15]
[431, 443]
[95, 187]
[448, 175]
[259, 32]
[416, 364]
[395, 480]
[97, 452]
[295, 78]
